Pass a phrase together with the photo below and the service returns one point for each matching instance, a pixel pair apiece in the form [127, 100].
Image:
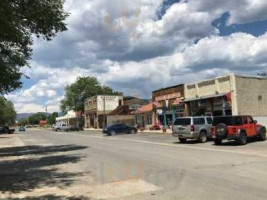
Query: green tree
[7, 112]
[83, 88]
[24, 121]
[20, 20]
[52, 118]
[36, 118]
[262, 74]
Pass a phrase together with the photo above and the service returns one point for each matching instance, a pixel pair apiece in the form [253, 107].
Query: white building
[98, 106]
[69, 119]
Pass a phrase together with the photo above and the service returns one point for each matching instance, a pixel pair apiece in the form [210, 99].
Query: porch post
[165, 117]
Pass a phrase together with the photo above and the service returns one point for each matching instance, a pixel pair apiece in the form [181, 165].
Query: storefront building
[70, 118]
[228, 95]
[146, 116]
[171, 104]
[98, 107]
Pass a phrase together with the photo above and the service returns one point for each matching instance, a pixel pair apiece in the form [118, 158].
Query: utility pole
[104, 108]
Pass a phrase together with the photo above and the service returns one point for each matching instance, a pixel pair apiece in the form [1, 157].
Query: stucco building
[70, 118]
[98, 107]
[228, 95]
[146, 116]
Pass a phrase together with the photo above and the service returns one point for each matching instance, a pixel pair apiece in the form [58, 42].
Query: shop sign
[159, 111]
[168, 96]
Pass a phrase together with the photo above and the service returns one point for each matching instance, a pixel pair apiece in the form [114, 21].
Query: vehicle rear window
[183, 121]
[228, 120]
[199, 121]
[209, 120]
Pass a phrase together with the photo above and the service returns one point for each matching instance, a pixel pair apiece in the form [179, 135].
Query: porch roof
[147, 108]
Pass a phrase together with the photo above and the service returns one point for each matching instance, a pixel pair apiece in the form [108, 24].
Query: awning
[228, 95]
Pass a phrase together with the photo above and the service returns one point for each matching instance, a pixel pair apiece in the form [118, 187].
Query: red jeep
[237, 128]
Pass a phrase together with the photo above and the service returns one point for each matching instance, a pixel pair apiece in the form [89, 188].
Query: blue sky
[142, 45]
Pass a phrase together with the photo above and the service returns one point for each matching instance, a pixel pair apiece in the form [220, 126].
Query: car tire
[221, 130]
[217, 141]
[203, 138]
[182, 140]
[132, 131]
[262, 134]
[57, 130]
[113, 133]
[242, 140]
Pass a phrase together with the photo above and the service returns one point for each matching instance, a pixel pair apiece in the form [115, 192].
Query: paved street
[86, 165]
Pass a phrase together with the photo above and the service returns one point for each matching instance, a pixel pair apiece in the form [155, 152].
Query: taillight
[212, 130]
[234, 130]
[192, 128]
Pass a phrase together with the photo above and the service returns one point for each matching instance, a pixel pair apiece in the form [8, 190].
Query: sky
[143, 45]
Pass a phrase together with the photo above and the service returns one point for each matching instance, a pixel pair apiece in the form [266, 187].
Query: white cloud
[125, 45]
[29, 107]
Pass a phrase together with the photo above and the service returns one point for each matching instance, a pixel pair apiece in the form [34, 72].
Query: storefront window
[149, 119]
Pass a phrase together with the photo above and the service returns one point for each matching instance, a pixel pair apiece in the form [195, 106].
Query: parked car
[64, 127]
[237, 128]
[192, 128]
[6, 129]
[22, 128]
[119, 128]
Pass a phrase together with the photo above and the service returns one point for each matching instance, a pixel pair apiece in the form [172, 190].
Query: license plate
[180, 135]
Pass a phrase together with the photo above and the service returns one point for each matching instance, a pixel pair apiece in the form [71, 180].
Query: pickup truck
[64, 127]
[6, 129]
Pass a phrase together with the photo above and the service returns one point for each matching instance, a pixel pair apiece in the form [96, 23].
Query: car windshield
[227, 120]
[183, 121]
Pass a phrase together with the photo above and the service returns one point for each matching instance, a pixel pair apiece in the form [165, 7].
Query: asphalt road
[87, 165]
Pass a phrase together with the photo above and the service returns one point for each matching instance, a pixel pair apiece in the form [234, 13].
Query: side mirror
[255, 121]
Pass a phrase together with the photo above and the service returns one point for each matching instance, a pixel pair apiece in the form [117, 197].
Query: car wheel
[217, 141]
[113, 133]
[182, 140]
[203, 137]
[132, 131]
[262, 134]
[57, 130]
[242, 138]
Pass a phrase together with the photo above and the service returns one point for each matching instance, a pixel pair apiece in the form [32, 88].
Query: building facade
[98, 107]
[228, 95]
[146, 116]
[68, 119]
[171, 106]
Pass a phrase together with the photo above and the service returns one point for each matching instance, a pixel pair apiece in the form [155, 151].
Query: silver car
[192, 128]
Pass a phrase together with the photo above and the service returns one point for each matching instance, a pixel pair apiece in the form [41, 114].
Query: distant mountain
[23, 115]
